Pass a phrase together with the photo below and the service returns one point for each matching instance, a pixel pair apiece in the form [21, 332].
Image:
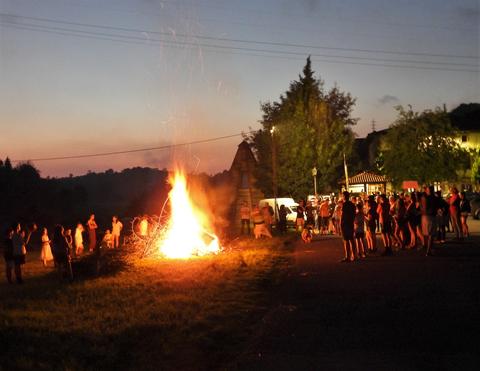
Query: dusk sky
[90, 76]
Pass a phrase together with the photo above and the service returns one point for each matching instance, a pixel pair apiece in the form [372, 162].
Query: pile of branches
[147, 244]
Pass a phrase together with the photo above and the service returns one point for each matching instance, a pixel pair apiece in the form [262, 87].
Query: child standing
[359, 224]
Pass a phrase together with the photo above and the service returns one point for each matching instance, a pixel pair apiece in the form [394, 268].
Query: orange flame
[186, 235]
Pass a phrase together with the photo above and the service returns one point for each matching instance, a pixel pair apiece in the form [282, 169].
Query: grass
[147, 314]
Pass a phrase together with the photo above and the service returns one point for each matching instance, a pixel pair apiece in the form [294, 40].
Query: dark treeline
[27, 197]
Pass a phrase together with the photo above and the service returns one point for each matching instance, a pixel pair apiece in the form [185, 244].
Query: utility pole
[373, 125]
[274, 173]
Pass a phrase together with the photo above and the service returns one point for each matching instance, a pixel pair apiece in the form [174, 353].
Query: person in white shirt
[46, 253]
[79, 239]
[107, 240]
[143, 227]
[117, 227]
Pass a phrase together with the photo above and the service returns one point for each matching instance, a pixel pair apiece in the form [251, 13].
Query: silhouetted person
[61, 253]
[454, 202]
[20, 241]
[383, 211]
[310, 214]
[429, 210]
[347, 226]
[300, 221]
[359, 225]
[267, 213]
[282, 219]
[371, 224]
[442, 217]
[68, 237]
[465, 209]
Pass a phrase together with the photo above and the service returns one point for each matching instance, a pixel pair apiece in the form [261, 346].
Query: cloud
[469, 14]
[388, 99]
[311, 5]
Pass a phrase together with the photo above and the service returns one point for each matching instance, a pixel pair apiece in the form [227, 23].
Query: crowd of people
[404, 221]
[60, 248]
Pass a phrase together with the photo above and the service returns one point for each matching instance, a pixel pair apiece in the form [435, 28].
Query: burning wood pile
[182, 233]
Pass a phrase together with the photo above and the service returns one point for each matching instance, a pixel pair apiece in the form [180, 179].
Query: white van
[289, 203]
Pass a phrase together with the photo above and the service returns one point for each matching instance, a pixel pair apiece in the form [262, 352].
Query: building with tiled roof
[367, 182]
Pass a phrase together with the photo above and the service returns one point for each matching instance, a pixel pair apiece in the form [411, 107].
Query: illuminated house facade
[465, 119]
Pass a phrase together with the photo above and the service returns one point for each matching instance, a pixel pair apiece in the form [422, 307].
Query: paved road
[405, 312]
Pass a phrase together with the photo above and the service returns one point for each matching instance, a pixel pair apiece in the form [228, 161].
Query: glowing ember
[186, 235]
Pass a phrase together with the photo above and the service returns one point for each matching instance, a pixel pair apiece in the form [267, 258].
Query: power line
[270, 53]
[114, 153]
[213, 38]
[288, 14]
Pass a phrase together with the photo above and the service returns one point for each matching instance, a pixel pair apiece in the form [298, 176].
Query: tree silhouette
[312, 128]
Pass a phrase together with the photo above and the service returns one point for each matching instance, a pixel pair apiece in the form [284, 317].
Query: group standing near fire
[62, 248]
[404, 221]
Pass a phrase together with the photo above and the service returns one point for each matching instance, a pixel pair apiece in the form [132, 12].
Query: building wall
[469, 139]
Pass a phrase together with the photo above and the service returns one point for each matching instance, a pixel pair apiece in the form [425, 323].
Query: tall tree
[8, 164]
[422, 146]
[312, 129]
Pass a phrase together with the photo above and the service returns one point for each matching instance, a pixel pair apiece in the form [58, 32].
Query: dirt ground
[405, 312]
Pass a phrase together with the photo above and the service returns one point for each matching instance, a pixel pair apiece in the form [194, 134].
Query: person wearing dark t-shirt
[310, 214]
[383, 211]
[347, 227]
[465, 209]
[429, 208]
[454, 210]
[300, 221]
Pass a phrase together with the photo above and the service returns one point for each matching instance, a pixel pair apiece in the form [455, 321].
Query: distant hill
[27, 197]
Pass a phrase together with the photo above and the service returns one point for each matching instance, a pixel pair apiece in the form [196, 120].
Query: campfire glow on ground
[187, 233]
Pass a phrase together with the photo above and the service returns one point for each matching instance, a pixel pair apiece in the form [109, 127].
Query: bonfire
[184, 233]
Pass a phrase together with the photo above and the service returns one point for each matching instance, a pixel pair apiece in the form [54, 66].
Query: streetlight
[274, 172]
[314, 174]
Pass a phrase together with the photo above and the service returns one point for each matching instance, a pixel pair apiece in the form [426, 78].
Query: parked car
[475, 206]
[289, 203]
